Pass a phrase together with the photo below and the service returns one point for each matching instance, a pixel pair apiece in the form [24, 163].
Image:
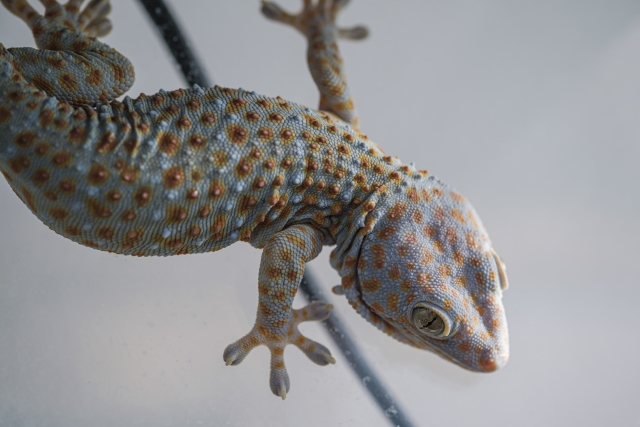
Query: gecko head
[428, 276]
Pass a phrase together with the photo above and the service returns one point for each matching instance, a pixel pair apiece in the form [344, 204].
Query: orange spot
[488, 365]
[465, 347]
[95, 77]
[411, 239]
[173, 177]
[430, 231]
[246, 204]
[410, 298]
[72, 231]
[176, 213]
[24, 139]
[41, 176]
[397, 211]
[58, 214]
[392, 301]
[208, 119]
[458, 258]
[427, 257]
[444, 270]
[423, 278]
[168, 143]
[18, 164]
[204, 211]
[348, 281]
[61, 159]
[107, 143]
[458, 216]
[457, 197]
[98, 174]
[244, 168]
[394, 273]
[471, 241]
[97, 210]
[386, 232]
[371, 285]
[142, 196]
[378, 256]
[476, 262]
[237, 134]
[451, 235]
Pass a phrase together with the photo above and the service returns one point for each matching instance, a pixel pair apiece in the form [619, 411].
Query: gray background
[530, 108]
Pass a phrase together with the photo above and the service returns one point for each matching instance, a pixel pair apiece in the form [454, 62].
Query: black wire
[176, 42]
[350, 350]
[194, 74]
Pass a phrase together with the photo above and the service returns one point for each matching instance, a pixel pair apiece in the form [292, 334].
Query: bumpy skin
[195, 170]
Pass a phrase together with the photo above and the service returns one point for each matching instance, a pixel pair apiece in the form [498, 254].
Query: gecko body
[195, 170]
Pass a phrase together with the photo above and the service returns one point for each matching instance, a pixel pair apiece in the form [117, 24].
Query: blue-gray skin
[195, 170]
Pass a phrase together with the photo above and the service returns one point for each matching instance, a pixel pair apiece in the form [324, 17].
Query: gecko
[195, 170]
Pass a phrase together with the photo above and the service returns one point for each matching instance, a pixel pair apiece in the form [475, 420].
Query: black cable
[350, 350]
[194, 74]
[176, 42]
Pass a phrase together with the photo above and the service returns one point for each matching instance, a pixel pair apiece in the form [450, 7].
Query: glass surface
[530, 109]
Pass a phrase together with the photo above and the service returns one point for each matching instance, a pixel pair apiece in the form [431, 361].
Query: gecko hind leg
[92, 20]
[316, 22]
[71, 64]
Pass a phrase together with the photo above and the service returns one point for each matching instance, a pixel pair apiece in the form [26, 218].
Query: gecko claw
[279, 378]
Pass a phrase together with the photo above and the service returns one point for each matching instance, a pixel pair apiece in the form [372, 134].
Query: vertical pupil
[427, 320]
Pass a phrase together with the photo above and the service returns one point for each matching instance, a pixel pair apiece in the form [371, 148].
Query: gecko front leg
[281, 269]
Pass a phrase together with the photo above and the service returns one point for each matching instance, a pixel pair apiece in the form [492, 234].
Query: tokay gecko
[196, 170]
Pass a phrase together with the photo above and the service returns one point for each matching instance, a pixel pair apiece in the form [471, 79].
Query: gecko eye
[431, 321]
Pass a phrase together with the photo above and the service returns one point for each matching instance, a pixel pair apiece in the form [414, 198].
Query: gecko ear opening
[502, 271]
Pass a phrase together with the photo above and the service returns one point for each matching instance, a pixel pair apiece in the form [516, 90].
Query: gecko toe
[279, 378]
[354, 33]
[235, 353]
[275, 13]
[316, 311]
[315, 351]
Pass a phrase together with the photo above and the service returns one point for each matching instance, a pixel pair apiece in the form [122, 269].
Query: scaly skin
[195, 170]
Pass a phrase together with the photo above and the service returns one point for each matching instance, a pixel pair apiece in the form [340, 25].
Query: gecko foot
[276, 338]
[93, 20]
[324, 10]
